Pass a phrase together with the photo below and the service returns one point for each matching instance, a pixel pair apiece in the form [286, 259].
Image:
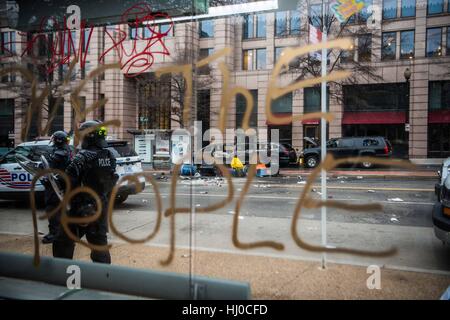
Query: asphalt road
[266, 214]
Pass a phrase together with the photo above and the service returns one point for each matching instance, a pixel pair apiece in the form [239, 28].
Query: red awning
[311, 121]
[374, 118]
[440, 116]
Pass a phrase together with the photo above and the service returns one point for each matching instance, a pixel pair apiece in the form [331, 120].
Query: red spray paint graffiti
[135, 55]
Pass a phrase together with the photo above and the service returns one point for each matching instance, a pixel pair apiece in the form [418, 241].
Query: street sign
[32, 13]
[407, 127]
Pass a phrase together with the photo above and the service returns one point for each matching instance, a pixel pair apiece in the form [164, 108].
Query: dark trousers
[96, 233]
[51, 202]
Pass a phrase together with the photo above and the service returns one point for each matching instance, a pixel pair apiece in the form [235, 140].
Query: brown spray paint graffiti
[274, 92]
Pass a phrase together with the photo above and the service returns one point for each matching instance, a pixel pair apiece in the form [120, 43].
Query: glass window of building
[407, 44]
[248, 26]
[312, 98]
[254, 26]
[389, 9]
[8, 43]
[278, 51]
[365, 47]
[347, 56]
[137, 32]
[439, 95]
[247, 60]
[203, 53]
[365, 13]
[408, 8]
[206, 28]
[435, 6]
[375, 97]
[315, 15]
[281, 28]
[241, 107]
[434, 42]
[87, 39]
[6, 124]
[167, 29]
[261, 26]
[448, 41]
[261, 59]
[295, 22]
[282, 104]
[389, 44]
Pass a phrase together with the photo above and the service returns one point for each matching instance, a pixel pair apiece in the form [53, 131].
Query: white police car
[15, 182]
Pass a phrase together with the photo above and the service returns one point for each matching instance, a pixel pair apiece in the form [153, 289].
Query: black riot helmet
[60, 138]
[93, 134]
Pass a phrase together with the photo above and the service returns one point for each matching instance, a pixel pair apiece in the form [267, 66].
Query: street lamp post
[407, 75]
[323, 133]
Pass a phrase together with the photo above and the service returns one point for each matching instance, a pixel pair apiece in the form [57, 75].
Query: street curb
[351, 175]
[405, 176]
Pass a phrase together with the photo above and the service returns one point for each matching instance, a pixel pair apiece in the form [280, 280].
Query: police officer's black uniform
[58, 158]
[94, 166]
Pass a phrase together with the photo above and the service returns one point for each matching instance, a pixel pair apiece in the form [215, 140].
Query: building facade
[400, 87]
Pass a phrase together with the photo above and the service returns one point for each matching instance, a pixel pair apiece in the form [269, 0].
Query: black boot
[48, 238]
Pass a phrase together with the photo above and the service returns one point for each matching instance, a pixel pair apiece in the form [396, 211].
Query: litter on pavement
[395, 200]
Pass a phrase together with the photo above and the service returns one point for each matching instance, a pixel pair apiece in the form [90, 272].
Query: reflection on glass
[282, 104]
[434, 42]
[247, 60]
[281, 23]
[408, 8]
[260, 59]
[448, 41]
[295, 22]
[312, 99]
[261, 26]
[389, 9]
[365, 13]
[435, 6]
[206, 29]
[248, 27]
[406, 44]
[364, 47]
[389, 46]
[315, 15]
[241, 107]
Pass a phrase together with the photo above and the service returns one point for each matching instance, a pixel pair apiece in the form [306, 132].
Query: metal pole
[323, 133]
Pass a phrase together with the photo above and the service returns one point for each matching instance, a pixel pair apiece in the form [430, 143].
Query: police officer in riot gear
[94, 167]
[58, 158]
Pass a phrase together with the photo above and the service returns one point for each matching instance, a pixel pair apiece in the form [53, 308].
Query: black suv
[348, 147]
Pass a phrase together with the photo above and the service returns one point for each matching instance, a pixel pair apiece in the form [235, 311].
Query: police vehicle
[15, 182]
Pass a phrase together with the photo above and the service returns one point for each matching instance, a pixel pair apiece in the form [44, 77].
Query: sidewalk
[420, 173]
[269, 278]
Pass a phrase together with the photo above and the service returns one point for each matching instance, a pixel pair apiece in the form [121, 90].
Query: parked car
[285, 155]
[15, 182]
[292, 153]
[441, 209]
[348, 147]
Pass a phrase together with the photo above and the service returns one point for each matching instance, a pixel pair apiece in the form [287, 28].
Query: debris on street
[395, 199]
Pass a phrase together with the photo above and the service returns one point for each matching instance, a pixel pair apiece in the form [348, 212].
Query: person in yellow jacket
[238, 167]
